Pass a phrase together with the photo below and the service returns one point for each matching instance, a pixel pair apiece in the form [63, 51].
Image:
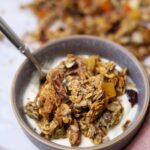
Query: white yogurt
[55, 63]
[130, 113]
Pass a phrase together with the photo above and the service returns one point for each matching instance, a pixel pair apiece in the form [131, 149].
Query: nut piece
[74, 133]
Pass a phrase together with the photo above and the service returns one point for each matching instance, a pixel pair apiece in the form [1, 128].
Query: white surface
[11, 135]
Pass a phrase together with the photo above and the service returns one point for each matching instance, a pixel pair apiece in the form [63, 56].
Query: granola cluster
[126, 22]
[79, 97]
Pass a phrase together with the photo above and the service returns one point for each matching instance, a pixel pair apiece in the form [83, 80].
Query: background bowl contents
[125, 22]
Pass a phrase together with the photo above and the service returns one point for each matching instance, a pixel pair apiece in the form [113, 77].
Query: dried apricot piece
[135, 14]
[90, 63]
[109, 89]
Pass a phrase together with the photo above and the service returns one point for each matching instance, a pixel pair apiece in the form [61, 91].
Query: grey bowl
[82, 45]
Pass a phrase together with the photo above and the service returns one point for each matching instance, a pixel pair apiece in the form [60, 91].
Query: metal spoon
[15, 40]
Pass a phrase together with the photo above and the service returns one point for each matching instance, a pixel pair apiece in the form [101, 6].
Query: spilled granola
[79, 97]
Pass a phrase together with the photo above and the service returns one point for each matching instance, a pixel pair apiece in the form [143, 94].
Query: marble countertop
[12, 137]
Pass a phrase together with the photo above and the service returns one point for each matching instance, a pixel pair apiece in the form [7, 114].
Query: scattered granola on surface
[125, 22]
[79, 97]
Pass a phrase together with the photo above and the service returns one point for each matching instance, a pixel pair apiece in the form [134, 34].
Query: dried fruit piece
[134, 14]
[106, 6]
[90, 63]
[109, 89]
[133, 96]
[57, 81]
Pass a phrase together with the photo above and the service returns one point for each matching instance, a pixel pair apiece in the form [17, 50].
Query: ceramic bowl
[81, 45]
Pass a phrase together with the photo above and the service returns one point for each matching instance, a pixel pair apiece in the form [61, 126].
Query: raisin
[133, 96]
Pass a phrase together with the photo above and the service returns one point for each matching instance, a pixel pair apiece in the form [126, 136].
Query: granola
[126, 124]
[132, 96]
[79, 97]
[125, 22]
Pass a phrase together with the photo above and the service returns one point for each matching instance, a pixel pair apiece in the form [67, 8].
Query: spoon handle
[15, 40]
[10, 34]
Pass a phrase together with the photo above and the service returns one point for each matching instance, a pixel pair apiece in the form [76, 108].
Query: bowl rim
[100, 146]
